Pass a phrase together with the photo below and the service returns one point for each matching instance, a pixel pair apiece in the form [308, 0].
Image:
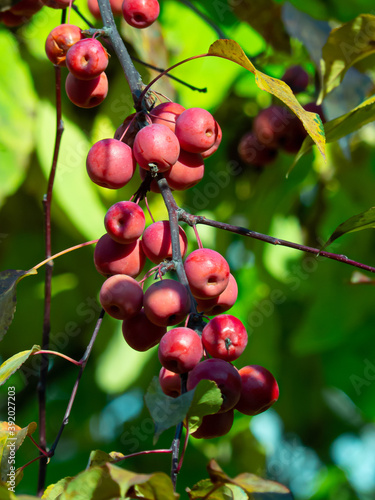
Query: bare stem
[83, 363]
[138, 453]
[63, 252]
[48, 285]
[55, 353]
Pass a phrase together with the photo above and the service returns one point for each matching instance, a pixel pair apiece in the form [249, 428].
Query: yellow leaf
[229, 49]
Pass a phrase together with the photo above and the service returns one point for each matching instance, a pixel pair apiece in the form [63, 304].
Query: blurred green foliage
[307, 323]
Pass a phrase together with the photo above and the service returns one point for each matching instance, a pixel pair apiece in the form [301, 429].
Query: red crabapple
[166, 302]
[166, 114]
[170, 382]
[140, 13]
[13, 20]
[271, 125]
[110, 163]
[221, 303]
[140, 334]
[26, 7]
[216, 144]
[89, 93]
[57, 4]
[207, 272]
[59, 42]
[186, 172]
[253, 152]
[224, 337]
[224, 374]
[121, 296]
[259, 390]
[87, 59]
[157, 244]
[125, 221]
[111, 257]
[196, 130]
[297, 78]
[156, 144]
[180, 350]
[215, 425]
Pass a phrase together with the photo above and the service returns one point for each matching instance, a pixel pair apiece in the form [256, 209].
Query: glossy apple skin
[89, 93]
[111, 257]
[110, 163]
[166, 302]
[125, 222]
[224, 337]
[60, 40]
[170, 382]
[116, 7]
[180, 350]
[158, 145]
[140, 13]
[223, 302]
[253, 152]
[121, 296]
[157, 243]
[186, 172]
[140, 334]
[224, 374]
[209, 152]
[215, 425]
[196, 129]
[87, 59]
[207, 272]
[166, 114]
[259, 390]
[128, 130]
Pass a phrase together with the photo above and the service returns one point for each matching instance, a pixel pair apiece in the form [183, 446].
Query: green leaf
[10, 442]
[17, 115]
[98, 457]
[109, 481]
[205, 489]
[342, 126]
[364, 220]
[229, 49]
[12, 364]
[8, 297]
[207, 400]
[345, 46]
[167, 412]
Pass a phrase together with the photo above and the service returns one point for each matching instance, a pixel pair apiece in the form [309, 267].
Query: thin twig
[48, 285]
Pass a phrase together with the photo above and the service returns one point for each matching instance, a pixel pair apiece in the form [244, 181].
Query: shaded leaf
[229, 49]
[168, 412]
[158, 487]
[8, 297]
[10, 442]
[250, 483]
[207, 400]
[345, 46]
[14, 363]
[205, 489]
[364, 220]
[342, 126]
[99, 457]
[265, 17]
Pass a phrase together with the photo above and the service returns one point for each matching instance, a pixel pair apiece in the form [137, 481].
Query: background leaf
[365, 220]
[8, 296]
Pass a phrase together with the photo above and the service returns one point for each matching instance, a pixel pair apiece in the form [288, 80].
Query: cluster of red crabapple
[276, 128]
[173, 141]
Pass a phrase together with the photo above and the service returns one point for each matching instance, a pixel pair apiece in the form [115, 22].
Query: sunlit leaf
[205, 489]
[10, 441]
[364, 220]
[265, 17]
[229, 49]
[12, 364]
[8, 296]
[99, 457]
[342, 126]
[346, 45]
